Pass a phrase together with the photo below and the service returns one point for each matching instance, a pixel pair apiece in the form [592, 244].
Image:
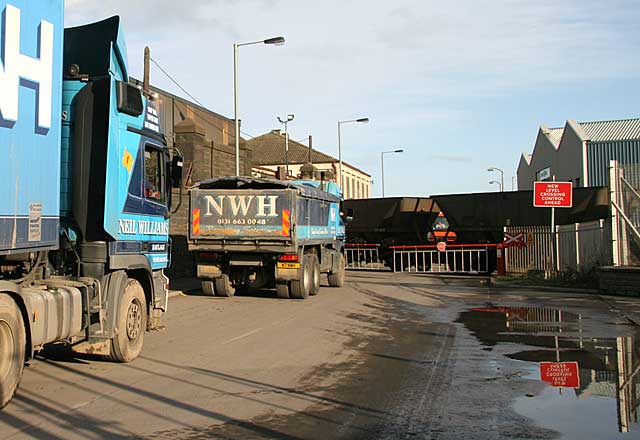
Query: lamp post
[359, 120]
[497, 183]
[490, 169]
[286, 121]
[276, 41]
[382, 164]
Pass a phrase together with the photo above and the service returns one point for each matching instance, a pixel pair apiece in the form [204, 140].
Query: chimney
[276, 131]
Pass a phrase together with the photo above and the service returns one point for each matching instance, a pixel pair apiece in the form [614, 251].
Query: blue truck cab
[251, 233]
[86, 176]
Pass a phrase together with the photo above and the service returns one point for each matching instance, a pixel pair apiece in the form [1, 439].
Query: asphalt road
[388, 356]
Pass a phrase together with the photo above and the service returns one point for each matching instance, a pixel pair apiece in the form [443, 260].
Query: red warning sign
[560, 374]
[553, 194]
[442, 246]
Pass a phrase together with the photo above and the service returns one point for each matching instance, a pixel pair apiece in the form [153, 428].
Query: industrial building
[268, 155]
[580, 152]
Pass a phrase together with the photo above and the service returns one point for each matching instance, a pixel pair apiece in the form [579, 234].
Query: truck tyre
[300, 289]
[314, 265]
[208, 288]
[131, 323]
[336, 279]
[12, 348]
[224, 287]
[282, 290]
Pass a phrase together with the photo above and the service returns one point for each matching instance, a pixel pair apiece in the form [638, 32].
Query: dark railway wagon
[477, 218]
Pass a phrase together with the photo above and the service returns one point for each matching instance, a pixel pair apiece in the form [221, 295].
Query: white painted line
[242, 336]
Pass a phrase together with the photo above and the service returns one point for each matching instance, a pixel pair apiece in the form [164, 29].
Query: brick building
[268, 154]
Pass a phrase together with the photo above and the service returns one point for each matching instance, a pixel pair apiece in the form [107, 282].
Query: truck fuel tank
[56, 313]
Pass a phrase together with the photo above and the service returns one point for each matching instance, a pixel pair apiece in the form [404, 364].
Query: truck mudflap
[160, 298]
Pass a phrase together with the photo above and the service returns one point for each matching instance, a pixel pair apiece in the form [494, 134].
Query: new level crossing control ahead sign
[553, 194]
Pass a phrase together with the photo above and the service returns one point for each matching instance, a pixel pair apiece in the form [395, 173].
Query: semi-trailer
[86, 179]
[250, 233]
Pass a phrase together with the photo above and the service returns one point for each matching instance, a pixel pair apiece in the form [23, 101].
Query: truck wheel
[282, 290]
[314, 265]
[300, 289]
[208, 288]
[336, 279]
[12, 348]
[131, 323]
[224, 287]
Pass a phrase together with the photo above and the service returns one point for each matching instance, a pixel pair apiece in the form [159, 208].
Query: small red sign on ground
[553, 194]
[442, 246]
[560, 374]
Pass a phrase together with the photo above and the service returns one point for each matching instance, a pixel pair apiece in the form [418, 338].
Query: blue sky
[458, 86]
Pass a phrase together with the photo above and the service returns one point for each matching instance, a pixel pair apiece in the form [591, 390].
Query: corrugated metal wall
[599, 154]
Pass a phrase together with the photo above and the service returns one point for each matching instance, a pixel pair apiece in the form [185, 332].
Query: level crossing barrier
[363, 256]
[460, 258]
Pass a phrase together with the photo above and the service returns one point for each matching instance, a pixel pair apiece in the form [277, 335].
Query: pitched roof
[619, 130]
[268, 149]
[555, 135]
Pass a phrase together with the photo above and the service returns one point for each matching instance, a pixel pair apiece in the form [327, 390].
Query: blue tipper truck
[250, 233]
[86, 180]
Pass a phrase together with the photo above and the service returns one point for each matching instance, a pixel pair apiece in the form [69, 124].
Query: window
[153, 173]
[543, 174]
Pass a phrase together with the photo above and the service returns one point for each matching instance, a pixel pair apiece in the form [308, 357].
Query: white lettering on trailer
[211, 203]
[262, 205]
[16, 66]
[240, 202]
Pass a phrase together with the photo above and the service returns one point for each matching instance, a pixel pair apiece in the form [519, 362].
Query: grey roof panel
[601, 131]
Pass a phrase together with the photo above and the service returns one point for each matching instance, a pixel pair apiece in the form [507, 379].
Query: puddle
[592, 383]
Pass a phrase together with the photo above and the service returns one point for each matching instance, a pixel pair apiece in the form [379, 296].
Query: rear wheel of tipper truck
[208, 288]
[314, 265]
[300, 289]
[336, 279]
[131, 323]
[282, 290]
[224, 287]
[12, 348]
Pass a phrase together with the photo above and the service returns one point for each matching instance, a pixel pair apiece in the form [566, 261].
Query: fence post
[577, 247]
[613, 187]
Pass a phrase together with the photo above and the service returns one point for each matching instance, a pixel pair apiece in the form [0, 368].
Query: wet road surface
[388, 356]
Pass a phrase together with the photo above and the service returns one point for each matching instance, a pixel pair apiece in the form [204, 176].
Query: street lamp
[286, 121]
[497, 183]
[276, 41]
[382, 164]
[490, 169]
[360, 120]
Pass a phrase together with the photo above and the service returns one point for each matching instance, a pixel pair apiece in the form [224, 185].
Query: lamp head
[398, 151]
[290, 117]
[276, 41]
[363, 120]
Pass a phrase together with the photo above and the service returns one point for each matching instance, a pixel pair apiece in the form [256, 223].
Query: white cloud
[410, 65]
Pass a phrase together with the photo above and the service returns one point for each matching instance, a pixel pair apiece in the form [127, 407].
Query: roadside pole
[553, 195]
[554, 244]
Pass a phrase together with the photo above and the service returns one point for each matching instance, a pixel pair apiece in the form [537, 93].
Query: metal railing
[578, 247]
[363, 256]
[470, 258]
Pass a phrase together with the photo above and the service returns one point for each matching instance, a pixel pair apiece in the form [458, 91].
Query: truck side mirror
[176, 171]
